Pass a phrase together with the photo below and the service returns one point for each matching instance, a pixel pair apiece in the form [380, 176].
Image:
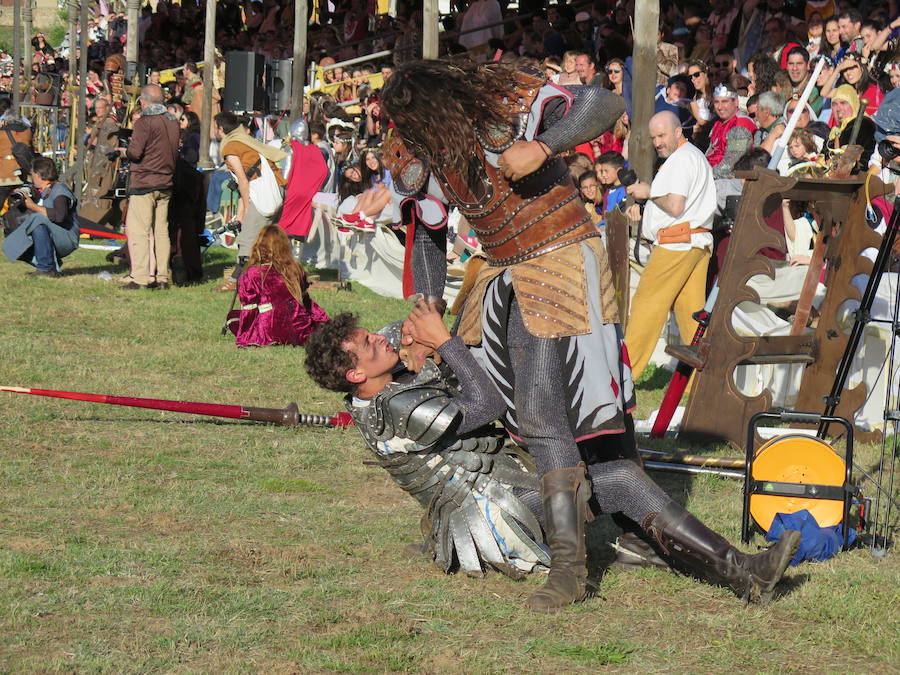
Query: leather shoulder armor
[408, 172]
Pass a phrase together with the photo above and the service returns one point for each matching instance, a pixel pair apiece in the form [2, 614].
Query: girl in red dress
[275, 306]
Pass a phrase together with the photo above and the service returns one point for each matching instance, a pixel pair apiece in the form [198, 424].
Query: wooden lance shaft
[289, 415]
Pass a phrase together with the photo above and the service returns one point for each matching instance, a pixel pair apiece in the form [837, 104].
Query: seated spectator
[850, 71]
[845, 108]
[608, 165]
[676, 97]
[275, 306]
[589, 189]
[50, 231]
[616, 139]
[369, 202]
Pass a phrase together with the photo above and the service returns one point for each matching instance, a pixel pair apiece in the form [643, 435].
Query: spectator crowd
[730, 74]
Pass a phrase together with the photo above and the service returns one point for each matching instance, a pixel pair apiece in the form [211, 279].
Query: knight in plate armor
[541, 316]
[480, 498]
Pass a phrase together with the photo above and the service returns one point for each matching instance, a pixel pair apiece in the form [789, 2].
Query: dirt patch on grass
[288, 561]
[26, 544]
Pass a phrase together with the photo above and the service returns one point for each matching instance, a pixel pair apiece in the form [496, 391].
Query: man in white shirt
[678, 215]
[480, 13]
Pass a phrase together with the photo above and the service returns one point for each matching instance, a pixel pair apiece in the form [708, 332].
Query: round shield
[795, 458]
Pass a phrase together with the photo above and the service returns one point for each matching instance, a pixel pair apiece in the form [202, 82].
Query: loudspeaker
[244, 82]
[281, 74]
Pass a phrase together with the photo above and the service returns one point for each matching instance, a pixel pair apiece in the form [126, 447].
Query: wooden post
[82, 99]
[27, 15]
[17, 56]
[298, 76]
[133, 36]
[430, 29]
[643, 68]
[73, 40]
[72, 7]
[209, 70]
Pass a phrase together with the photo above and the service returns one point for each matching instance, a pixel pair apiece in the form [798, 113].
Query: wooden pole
[17, 56]
[73, 40]
[298, 76]
[73, 148]
[209, 70]
[430, 29]
[82, 99]
[27, 16]
[132, 37]
[641, 154]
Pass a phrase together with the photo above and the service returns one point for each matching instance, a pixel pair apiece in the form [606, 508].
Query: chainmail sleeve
[593, 111]
[738, 141]
[480, 402]
[429, 261]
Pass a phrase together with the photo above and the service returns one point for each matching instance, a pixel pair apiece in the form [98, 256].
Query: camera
[17, 197]
[725, 221]
[888, 150]
[232, 226]
[124, 138]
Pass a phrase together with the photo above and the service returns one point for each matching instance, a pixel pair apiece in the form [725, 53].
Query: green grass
[134, 540]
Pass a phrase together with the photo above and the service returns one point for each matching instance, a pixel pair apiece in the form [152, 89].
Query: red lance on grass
[289, 415]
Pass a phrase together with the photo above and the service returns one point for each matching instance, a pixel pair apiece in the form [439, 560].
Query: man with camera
[244, 156]
[48, 229]
[152, 151]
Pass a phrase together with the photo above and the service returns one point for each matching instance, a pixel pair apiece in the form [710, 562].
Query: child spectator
[275, 306]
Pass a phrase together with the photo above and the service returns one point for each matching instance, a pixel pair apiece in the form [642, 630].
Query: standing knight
[542, 313]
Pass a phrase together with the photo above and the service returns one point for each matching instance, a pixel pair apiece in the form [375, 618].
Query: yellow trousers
[671, 280]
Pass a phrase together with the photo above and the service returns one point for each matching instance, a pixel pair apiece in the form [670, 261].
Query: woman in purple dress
[275, 306]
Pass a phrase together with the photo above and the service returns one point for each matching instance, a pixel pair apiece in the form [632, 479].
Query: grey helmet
[300, 131]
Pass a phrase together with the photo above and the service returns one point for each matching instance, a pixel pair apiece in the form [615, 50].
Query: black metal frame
[783, 489]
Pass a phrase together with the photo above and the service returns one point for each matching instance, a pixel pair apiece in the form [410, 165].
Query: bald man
[152, 152]
[677, 217]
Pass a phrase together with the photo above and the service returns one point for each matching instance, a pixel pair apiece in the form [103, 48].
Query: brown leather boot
[751, 577]
[565, 494]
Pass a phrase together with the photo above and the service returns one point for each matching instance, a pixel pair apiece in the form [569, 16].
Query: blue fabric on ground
[816, 543]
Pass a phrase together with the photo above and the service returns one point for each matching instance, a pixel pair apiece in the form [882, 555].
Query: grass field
[133, 540]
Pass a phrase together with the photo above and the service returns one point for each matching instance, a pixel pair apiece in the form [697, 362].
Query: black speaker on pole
[245, 89]
[280, 78]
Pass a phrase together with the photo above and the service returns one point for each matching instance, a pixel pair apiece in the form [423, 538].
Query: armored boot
[565, 495]
[751, 577]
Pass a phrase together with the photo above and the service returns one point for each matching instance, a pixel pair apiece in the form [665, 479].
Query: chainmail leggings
[620, 486]
[540, 399]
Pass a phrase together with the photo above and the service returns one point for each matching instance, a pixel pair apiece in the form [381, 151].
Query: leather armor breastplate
[517, 221]
[514, 221]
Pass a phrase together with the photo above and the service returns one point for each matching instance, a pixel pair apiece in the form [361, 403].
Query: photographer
[243, 156]
[49, 231]
[152, 152]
